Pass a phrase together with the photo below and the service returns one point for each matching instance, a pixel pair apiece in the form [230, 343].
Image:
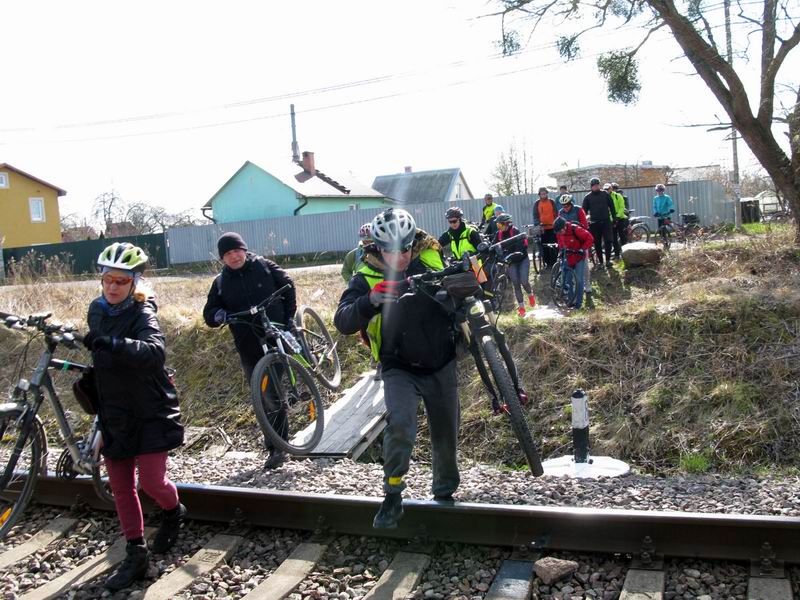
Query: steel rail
[699, 535]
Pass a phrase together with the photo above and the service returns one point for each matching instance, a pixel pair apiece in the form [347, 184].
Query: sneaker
[532, 300]
[132, 569]
[168, 530]
[275, 459]
[521, 311]
[390, 513]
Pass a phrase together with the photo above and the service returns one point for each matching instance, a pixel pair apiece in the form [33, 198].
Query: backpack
[259, 259]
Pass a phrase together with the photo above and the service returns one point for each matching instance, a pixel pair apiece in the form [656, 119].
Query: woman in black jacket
[137, 405]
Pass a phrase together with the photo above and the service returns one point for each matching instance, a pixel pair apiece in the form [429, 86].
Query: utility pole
[737, 188]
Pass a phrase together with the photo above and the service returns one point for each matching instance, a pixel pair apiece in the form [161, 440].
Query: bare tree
[108, 208]
[693, 24]
[513, 173]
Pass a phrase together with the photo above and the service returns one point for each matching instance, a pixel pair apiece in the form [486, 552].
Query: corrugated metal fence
[337, 232]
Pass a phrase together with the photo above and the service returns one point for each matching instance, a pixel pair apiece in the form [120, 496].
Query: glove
[384, 293]
[89, 339]
[104, 342]
[219, 316]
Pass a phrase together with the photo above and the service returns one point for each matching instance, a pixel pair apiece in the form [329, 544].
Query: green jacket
[352, 261]
[619, 205]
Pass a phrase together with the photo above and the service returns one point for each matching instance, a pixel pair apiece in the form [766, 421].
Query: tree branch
[768, 33]
[771, 72]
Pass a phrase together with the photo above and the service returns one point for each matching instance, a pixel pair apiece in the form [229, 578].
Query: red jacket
[574, 237]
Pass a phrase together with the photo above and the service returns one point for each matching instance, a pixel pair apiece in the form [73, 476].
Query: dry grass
[693, 364]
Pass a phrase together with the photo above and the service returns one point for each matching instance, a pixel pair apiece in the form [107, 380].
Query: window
[3, 180]
[458, 191]
[37, 209]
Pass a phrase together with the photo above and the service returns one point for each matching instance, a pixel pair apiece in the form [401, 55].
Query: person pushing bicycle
[137, 405]
[413, 338]
[246, 280]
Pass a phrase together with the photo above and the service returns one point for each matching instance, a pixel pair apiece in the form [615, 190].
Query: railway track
[768, 543]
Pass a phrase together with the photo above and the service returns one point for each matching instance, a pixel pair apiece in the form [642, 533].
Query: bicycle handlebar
[60, 332]
[263, 304]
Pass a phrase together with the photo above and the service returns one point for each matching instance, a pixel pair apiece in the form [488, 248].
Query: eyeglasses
[453, 221]
[108, 279]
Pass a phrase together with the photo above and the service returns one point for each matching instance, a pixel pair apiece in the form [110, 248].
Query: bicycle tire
[508, 393]
[500, 290]
[100, 480]
[639, 232]
[22, 480]
[321, 347]
[309, 409]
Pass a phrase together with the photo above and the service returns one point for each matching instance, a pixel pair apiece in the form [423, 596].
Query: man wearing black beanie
[247, 279]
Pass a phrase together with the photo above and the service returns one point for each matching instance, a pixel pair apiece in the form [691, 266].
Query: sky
[163, 101]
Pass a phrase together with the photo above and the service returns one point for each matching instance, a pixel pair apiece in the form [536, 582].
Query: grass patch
[695, 463]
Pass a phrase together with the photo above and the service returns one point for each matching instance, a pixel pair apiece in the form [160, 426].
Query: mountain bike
[687, 232]
[286, 401]
[23, 441]
[318, 346]
[457, 290]
[537, 259]
[563, 291]
[637, 229]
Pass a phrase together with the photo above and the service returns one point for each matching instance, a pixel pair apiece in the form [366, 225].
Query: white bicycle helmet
[123, 256]
[393, 230]
[565, 199]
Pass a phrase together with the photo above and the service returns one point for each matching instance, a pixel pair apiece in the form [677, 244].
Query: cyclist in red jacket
[575, 241]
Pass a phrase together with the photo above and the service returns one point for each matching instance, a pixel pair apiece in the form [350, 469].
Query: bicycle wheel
[557, 286]
[100, 481]
[287, 403]
[500, 290]
[638, 233]
[18, 478]
[321, 347]
[511, 404]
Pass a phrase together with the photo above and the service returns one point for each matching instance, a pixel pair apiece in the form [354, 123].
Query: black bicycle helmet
[594, 181]
[454, 212]
[559, 224]
[504, 218]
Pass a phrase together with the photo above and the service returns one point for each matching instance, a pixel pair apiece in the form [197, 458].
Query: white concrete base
[600, 466]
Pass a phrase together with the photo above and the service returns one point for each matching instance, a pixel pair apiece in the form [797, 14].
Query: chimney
[408, 169]
[308, 163]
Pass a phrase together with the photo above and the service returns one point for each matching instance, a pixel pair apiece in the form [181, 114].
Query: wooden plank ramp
[83, 573]
[289, 574]
[353, 422]
[641, 584]
[514, 581]
[54, 530]
[219, 549]
[400, 578]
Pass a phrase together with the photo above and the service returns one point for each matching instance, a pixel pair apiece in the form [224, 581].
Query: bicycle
[285, 399]
[457, 290]
[23, 440]
[563, 292]
[318, 346]
[637, 228]
[687, 232]
[537, 259]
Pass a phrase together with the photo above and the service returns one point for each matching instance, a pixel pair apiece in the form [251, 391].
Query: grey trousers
[402, 393]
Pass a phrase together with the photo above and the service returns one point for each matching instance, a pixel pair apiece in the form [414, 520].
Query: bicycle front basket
[461, 285]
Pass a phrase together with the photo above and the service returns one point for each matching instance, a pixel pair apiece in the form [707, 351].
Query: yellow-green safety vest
[462, 244]
[619, 205]
[488, 211]
[429, 257]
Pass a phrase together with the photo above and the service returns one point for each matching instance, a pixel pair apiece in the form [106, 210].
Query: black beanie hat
[230, 241]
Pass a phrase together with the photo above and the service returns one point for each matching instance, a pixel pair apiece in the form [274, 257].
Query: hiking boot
[390, 513]
[521, 311]
[276, 459]
[444, 498]
[532, 300]
[168, 530]
[132, 569]
[589, 302]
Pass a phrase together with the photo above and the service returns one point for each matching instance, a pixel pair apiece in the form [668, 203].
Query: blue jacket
[662, 205]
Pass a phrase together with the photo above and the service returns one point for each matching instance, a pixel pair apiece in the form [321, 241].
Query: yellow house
[29, 209]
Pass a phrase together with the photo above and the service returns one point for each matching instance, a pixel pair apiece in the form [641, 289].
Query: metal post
[737, 188]
[580, 426]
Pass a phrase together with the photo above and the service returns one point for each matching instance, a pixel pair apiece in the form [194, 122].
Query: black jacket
[597, 206]
[245, 287]
[138, 406]
[416, 333]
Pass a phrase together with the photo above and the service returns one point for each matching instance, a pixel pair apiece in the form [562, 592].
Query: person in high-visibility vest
[488, 209]
[412, 337]
[460, 237]
[621, 224]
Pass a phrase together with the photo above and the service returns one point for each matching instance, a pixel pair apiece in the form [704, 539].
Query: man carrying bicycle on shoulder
[246, 280]
[413, 338]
